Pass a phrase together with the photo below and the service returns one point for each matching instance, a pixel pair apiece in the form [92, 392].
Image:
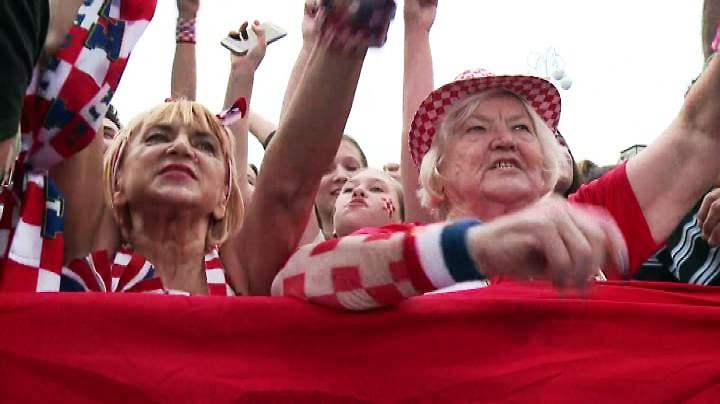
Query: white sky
[630, 62]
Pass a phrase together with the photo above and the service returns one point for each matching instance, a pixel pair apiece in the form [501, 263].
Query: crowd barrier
[622, 342]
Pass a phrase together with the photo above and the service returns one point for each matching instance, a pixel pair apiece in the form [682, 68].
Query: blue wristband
[453, 242]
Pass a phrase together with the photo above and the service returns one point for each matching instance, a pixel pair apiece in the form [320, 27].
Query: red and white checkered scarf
[62, 111]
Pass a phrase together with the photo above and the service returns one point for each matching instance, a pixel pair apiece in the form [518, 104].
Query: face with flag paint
[176, 155]
[370, 198]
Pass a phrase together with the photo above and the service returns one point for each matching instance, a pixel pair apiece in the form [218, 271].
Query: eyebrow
[486, 118]
[160, 126]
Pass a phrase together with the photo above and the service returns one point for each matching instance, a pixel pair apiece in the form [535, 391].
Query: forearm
[417, 84]
[361, 272]
[688, 150]
[307, 139]
[310, 131]
[296, 75]
[183, 81]
[240, 84]
[260, 127]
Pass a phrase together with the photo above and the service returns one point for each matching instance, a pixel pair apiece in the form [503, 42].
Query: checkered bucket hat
[540, 93]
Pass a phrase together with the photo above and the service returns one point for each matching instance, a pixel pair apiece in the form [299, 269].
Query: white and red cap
[541, 94]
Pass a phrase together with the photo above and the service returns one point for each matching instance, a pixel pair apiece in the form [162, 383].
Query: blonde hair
[188, 113]
[432, 196]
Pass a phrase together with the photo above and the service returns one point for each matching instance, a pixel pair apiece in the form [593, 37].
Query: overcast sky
[630, 62]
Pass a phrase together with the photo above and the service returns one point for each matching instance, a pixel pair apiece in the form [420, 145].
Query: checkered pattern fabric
[540, 93]
[131, 272]
[62, 112]
[379, 267]
[34, 257]
[65, 103]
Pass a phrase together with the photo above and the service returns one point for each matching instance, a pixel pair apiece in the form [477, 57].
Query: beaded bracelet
[185, 31]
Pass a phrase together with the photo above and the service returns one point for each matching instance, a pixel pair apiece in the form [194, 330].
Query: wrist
[185, 30]
[444, 251]
[416, 28]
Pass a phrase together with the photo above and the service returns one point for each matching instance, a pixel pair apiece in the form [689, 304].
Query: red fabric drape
[508, 342]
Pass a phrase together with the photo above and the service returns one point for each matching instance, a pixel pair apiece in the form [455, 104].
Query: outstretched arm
[306, 141]
[260, 127]
[553, 240]
[417, 84]
[681, 165]
[240, 84]
[183, 81]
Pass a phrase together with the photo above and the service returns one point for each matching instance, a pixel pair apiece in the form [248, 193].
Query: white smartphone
[242, 46]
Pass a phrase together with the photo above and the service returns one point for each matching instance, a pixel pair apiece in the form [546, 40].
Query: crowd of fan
[486, 190]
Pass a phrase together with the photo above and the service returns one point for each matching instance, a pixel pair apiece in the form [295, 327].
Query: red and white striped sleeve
[379, 268]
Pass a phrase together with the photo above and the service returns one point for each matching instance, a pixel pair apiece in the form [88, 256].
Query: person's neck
[485, 210]
[326, 224]
[173, 240]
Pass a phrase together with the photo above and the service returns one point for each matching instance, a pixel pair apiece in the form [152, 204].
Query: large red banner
[634, 342]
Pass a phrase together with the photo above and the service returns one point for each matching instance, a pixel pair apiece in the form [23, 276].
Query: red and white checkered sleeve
[366, 271]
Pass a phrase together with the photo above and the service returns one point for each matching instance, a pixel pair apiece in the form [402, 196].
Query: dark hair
[577, 176]
[112, 115]
[254, 168]
[363, 159]
[597, 172]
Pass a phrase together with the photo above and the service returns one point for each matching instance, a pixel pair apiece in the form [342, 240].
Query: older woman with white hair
[488, 162]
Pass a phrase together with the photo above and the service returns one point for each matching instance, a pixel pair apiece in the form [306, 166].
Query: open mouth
[505, 164]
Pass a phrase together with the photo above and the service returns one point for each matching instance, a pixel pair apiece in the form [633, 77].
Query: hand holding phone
[242, 42]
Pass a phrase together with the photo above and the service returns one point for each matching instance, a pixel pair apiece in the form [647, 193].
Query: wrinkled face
[368, 199]
[169, 163]
[347, 161]
[565, 167]
[109, 131]
[494, 155]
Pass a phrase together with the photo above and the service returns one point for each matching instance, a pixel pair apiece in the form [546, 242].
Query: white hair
[431, 193]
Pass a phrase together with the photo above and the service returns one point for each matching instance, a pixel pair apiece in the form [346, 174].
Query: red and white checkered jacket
[62, 111]
[406, 260]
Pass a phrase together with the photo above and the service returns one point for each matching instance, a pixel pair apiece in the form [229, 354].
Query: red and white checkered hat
[540, 93]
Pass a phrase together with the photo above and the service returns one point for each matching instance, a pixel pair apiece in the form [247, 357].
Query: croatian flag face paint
[389, 207]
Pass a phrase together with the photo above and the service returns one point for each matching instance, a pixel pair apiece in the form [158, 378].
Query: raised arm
[78, 171]
[310, 32]
[307, 139]
[417, 84]
[261, 128]
[681, 165]
[240, 84]
[183, 81]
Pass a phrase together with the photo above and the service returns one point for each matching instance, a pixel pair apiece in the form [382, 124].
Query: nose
[358, 193]
[340, 175]
[504, 140]
[181, 145]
